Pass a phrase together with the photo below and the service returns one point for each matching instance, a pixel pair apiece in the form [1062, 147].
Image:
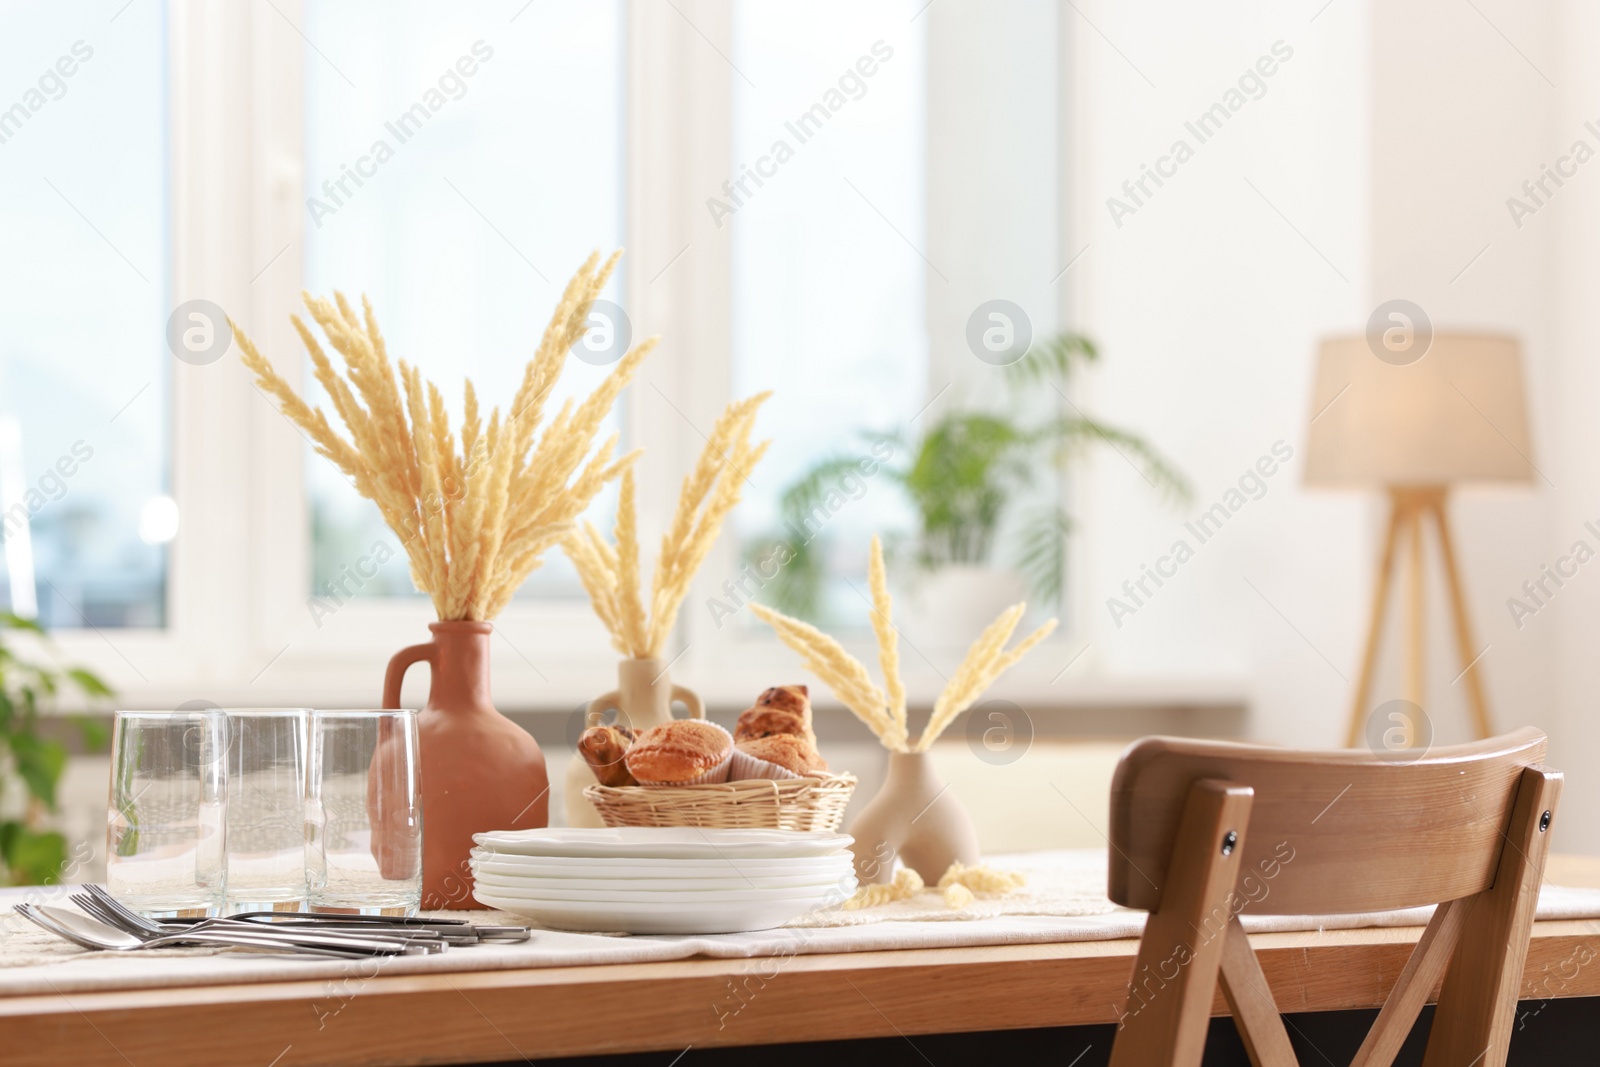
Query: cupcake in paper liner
[777, 757]
[682, 752]
[744, 767]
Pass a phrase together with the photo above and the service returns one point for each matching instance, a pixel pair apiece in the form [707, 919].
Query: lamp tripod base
[1410, 508]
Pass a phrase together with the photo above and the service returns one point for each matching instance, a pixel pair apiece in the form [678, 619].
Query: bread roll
[781, 710]
[603, 749]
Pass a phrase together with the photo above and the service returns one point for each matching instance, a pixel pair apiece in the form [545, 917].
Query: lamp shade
[1455, 415]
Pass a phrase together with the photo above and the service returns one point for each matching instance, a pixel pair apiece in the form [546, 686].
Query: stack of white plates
[648, 880]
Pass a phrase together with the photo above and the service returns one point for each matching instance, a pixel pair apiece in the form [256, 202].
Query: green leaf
[1068, 435]
[810, 500]
[11, 621]
[36, 857]
[965, 470]
[1042, 553]
[29, 854]
[40, 764]
[1051, 362]
[89, 682]
[796, 589]
[807, 506]
[92, 731]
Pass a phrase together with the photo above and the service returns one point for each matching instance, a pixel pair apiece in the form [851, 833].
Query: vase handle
[691, 700]
[601, 704]
[397, 670]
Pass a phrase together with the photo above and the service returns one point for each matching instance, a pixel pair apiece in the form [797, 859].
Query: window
[828, 283]
[454, 163]
[84, 388]
[458, 167]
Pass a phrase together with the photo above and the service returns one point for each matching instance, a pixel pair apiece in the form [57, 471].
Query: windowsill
[554, 659]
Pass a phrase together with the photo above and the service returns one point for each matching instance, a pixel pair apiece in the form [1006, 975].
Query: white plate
[569, 867]
[654, 917]
[835, 892]
[665, 842]
[665, 888]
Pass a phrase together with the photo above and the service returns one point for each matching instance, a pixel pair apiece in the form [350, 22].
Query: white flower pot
[951, 606]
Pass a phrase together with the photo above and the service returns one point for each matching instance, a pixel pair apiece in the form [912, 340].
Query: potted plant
[965, 473]
[31, 851]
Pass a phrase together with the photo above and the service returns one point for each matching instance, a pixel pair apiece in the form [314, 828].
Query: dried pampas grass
[612, 574]
[884, 712]
[957, 896]
[477, 520]
[982, 879]
[907, 883]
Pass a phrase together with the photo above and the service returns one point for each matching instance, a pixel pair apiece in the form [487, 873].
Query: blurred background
[962, 244]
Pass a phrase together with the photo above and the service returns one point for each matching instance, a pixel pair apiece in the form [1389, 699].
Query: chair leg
[1175, 975]
[1416, 982]
[1255, 1013]
[1478, 1003]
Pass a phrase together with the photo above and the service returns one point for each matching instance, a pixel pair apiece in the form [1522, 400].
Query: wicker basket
[791, 804]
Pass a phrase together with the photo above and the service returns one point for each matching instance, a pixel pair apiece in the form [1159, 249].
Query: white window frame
[238, 628]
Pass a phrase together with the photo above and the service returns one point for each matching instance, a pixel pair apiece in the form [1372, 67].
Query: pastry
[682, 752]
[796, 698]
[784, 709]
[792, 753]
[603, 748]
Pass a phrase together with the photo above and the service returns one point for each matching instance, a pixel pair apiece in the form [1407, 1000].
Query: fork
[94, 934]
[109, 910]
[453, 931]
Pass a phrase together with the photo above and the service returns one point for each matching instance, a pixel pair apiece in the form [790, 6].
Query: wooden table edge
[559, 1011]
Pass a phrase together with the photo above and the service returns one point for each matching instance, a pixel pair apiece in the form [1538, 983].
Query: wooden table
[537, 1014]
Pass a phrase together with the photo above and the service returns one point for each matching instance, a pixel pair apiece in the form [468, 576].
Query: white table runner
[1064, 901]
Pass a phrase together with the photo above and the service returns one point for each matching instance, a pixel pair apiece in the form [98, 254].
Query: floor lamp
[1418, 428]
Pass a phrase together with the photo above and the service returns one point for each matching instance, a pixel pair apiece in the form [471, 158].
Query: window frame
[238, 628]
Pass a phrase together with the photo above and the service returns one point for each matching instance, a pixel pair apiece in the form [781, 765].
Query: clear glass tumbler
[165, 823]
[364, 813]
[267, 809]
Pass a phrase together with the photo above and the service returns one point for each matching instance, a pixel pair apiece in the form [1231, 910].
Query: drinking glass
[165, 830]
[266, 809]
[364, 813]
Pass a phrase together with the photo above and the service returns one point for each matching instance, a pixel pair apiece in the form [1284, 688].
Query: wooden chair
[1201, 831]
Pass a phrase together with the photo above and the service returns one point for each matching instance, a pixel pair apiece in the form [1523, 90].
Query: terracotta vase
[480, 770]
[915, 817]
[643, 698]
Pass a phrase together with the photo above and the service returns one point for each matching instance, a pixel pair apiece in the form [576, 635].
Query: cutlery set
[104, 924]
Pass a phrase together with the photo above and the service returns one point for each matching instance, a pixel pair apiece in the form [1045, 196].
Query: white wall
[1207, 304]
[1390, 141]
[1567, 226]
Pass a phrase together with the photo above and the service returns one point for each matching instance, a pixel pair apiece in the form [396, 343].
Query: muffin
[683, 752]
[781, 710]
[793, 754]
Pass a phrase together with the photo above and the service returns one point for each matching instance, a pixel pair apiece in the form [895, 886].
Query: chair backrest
[1202, 831]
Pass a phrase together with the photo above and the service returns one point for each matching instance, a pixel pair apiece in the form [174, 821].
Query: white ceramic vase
[915, 819]
[643, 698]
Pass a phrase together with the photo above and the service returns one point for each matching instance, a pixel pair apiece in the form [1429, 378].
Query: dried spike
[474, 522]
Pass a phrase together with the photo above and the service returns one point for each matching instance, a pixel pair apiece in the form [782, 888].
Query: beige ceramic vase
[643, 698]
[915, 817]
[480, 770]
